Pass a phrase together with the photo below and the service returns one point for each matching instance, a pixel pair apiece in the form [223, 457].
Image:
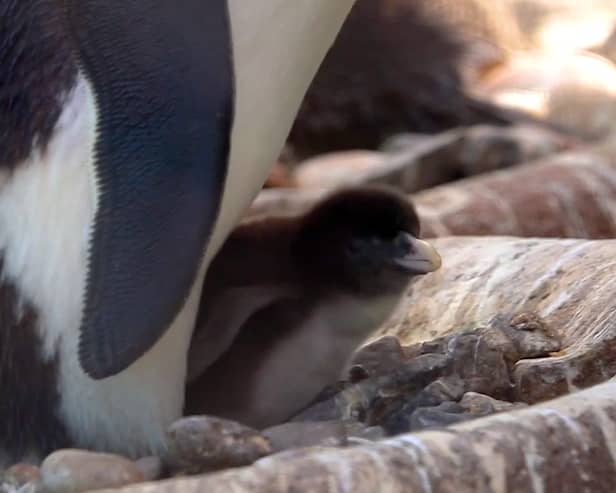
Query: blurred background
[516, 79]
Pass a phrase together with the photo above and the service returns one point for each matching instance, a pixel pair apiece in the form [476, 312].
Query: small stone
[151, 467]
[199, 444]
[449, 388]
[374, 396]
[356, 429]
[479, 361]
[483, 405]
[74, 471]
[20, 474]
[306, 434]
[22, 478]
[532, 337]
[445, 414]
[338, 169]
[380, 357]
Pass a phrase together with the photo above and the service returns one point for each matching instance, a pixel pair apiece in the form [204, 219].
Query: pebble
[482, 405]
[22, 478]
[74, 471]
[338, 169]
[21, 474]
[199, 444]
[380, 356]
[151, 467]
[306, 434]
[357, 430]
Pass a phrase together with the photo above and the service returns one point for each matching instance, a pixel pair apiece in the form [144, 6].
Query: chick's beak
[416, 256]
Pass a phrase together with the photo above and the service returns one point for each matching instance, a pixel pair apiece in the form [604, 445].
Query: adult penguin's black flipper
[161, 74]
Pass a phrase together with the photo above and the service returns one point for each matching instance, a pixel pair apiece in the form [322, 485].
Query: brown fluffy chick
[288, 300]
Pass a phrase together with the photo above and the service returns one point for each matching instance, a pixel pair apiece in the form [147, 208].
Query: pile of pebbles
[390, 389]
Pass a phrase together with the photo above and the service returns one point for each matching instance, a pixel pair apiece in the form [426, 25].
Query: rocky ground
[497, 372]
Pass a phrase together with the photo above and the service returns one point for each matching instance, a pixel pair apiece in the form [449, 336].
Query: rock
[568, 195]
[474, 150]
[434, 372]
[151, 467]
[306, 434]
[420, 163]
[380, 356]
[570, 285]
[199, 444]
[483, 405]
[359, 401]
[74, 471]
[445, 414]
[284, 201]
[22, 478]
[20, 474]
[561, 446]
[338, 169]
[359, 433]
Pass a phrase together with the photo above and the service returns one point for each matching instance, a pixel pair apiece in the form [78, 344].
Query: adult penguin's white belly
[101, 257]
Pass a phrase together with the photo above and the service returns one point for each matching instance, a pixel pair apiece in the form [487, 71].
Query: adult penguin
[133, 135]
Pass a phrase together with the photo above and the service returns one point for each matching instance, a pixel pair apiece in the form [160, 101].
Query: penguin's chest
[47, 207]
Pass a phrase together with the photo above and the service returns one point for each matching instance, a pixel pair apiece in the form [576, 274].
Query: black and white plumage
[133, 135]
[288, 300]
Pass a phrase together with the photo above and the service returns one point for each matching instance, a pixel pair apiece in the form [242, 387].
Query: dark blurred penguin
[133, 135]
[302, 294]
[399, 66]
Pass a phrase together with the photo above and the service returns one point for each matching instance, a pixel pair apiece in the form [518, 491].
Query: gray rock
[74, 471]
[306, 434]
[483, 405]
[151, 467]
[199, 444]
[361, 400]
[22, 478]
[380, 356]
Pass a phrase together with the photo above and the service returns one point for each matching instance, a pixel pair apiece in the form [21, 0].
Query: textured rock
[571, 194]
[200, 444]
[570, 284]
[415, 162]
[565, 288]
[379, 357]
[151, 468]
[483, 405]
[74, 471]
[22, 478]
[21, 474]
[563, 446]
[423, 387]
[306, 434]
[339, 169]
[356, 402]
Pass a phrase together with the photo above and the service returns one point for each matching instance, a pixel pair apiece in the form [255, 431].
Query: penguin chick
[288, 300]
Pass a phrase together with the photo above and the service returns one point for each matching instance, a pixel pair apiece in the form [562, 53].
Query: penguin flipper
[163, 89]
